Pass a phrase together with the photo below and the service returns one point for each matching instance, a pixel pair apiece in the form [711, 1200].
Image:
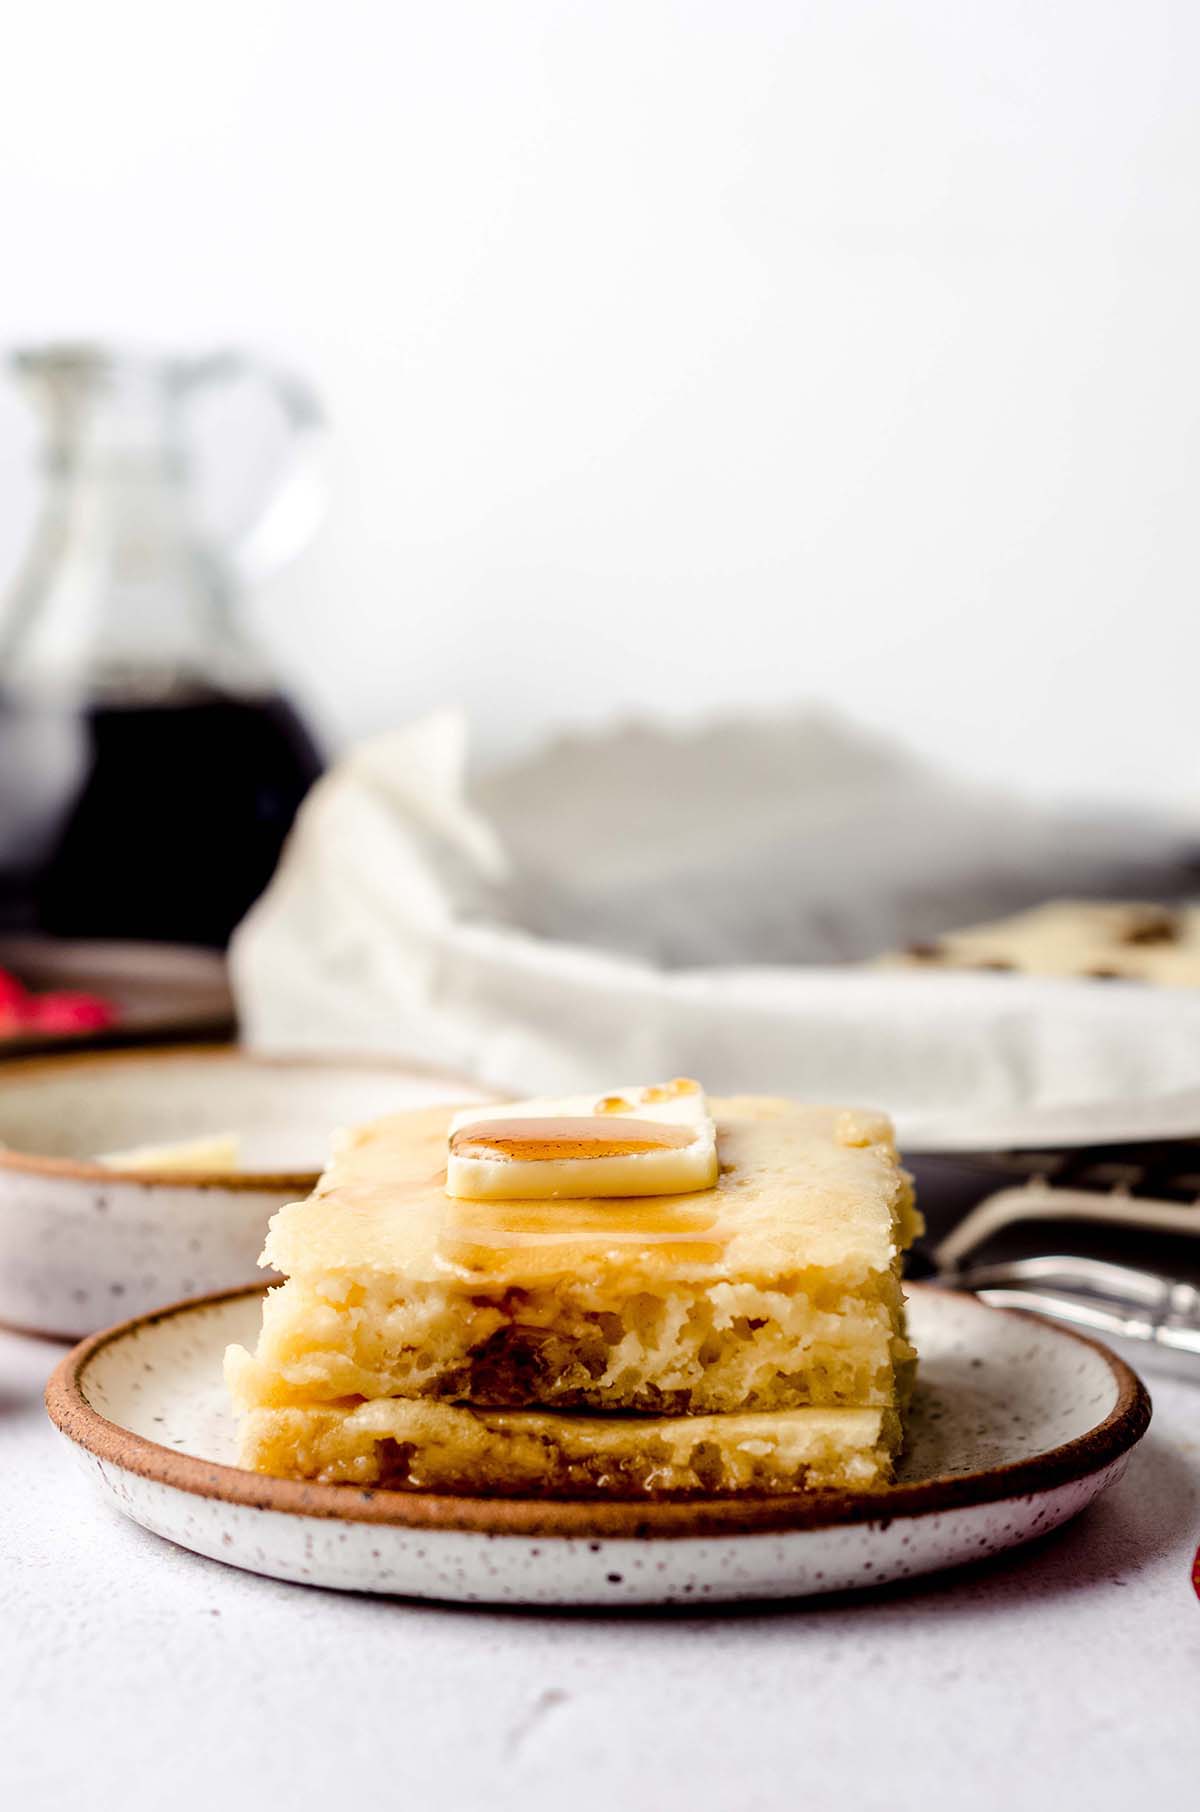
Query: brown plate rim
[264, 1182]
[581, 1519]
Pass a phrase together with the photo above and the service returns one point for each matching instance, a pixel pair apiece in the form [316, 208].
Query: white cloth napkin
[592, 916]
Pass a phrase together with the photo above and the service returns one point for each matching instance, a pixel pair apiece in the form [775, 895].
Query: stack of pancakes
[744, 1337]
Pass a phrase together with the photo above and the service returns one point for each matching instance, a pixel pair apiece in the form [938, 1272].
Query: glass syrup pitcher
[149, 765]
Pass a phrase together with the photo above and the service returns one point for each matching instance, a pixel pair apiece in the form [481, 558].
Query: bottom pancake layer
[431, 1446]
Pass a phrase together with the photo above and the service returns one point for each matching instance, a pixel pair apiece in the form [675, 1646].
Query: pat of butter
[184, 1157]
[658, 1140]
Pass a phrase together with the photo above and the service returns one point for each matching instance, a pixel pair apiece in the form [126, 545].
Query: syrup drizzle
[486, 1238]
[483, 1236]
[568, 1136]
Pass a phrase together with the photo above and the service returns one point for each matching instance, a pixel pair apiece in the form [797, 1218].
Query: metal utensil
[1159, 1314]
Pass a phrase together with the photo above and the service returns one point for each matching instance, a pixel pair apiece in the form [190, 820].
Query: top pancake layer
[800, 1190]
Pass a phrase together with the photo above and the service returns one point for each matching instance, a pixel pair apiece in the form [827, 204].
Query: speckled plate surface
[1017, 1425]
[82, 1241]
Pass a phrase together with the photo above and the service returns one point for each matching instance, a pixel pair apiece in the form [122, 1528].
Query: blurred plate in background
[156, 990]
[82, 1242]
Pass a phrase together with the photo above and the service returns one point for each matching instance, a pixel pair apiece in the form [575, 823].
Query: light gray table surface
[136, 1676]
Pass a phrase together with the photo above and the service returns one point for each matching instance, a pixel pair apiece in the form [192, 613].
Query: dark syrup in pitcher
[178, 819]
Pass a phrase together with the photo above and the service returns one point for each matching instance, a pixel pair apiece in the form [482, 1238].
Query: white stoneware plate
[1017, 1425]
[81, 1242]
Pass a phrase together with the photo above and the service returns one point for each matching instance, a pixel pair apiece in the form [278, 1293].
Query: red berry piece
[12, 994]
[13, 1004]
[66, 1010]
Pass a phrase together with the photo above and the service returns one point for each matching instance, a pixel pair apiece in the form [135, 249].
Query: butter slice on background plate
[655, 1140]
[188, 1157]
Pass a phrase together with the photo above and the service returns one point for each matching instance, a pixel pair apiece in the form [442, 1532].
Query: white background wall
[679, 353]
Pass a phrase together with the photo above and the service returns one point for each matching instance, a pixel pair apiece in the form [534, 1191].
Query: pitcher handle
[296, 502]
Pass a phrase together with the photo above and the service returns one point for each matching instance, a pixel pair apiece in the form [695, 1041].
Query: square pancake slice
[1101, 940]
[420, 1445]
[777, 1288]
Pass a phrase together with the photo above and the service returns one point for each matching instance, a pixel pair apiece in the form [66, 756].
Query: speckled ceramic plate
[1016, 1426]
[82, 1241]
